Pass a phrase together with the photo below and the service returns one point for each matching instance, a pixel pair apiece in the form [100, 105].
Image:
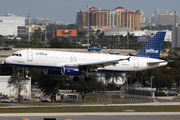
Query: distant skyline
[65, 10]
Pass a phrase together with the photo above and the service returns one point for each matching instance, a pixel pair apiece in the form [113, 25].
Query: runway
[128, 115]
[16, 105]
[93, 116]
[90, 113]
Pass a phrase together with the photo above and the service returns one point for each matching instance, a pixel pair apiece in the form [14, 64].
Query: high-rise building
[161, 12]
[167, 19]
[149, 19]
[143, 14]
[38, 21]
[114, 18]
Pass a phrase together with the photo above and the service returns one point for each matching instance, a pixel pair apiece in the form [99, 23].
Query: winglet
[128, 58]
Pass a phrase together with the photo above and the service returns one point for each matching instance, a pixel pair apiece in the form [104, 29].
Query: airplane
[75, 64]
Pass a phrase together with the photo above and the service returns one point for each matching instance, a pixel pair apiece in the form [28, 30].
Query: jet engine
[71, 70]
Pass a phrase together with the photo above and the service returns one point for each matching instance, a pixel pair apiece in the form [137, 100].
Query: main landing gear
[87, 79]
[76, 79]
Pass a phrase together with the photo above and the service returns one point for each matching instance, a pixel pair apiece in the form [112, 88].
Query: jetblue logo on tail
[152, 51]
[153, 48]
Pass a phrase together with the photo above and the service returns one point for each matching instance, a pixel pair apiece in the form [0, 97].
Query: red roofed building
[109, 18]
[119, 8]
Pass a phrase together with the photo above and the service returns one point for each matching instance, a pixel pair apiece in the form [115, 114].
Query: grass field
[88, 101]
[90, 109]
[3, 105]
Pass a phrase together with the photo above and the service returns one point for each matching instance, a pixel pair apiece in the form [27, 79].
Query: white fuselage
[55, 60]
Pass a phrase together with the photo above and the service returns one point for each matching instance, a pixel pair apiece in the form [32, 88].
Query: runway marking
[156, 117]
[68, 119]
[25, 118]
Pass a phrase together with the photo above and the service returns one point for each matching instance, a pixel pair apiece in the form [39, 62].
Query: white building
[4, 90]
[167, 19]
[161, 12]
[152, 33]
[9, 24]
[123, 31]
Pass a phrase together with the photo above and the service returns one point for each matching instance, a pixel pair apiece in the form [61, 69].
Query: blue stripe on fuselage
[35, 66]
[52, 67]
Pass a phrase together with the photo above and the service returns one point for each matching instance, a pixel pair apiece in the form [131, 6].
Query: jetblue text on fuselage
[152, 51]
[41, 53]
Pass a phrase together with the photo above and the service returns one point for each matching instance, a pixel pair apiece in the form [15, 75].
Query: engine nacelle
[71, 70]
[52, 72]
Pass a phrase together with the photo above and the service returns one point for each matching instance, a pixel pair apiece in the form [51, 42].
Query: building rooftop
[119, 7]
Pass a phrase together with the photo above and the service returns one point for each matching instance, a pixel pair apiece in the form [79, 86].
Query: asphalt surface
[128, 115]
[93, 116]
[169, 103]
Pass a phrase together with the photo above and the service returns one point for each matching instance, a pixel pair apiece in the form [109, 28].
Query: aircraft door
[29, 56]
[136, 62]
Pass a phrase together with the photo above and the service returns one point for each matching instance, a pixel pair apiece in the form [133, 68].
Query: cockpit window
[16, 54]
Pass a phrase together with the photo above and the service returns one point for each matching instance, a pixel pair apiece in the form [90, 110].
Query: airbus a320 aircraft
[74, 64]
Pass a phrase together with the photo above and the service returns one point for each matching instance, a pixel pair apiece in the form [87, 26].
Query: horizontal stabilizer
[156, 62]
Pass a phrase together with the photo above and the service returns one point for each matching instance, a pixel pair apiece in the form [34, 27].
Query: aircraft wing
[95, 65]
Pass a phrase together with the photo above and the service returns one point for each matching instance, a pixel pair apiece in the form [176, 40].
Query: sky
[66, 10]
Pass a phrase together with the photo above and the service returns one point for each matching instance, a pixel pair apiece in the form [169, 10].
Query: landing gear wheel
[76, 79]
[87, 79]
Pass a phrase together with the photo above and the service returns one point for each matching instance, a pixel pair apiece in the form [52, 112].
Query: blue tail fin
[153, 48]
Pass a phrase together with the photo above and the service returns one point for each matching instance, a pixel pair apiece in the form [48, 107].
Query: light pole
[45, 32]
[175, 30]
[88, 6]
[127, 83]
[28, 29]
[151, 83]
[118, 37]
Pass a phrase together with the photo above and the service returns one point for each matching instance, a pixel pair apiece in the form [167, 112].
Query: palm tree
[142, 74]
[163, 51]
[113, 76]
[97, 33]
[108, 76]
[117, 76]
[132, 75]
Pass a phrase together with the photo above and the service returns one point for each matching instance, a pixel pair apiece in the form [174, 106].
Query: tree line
[51, 84]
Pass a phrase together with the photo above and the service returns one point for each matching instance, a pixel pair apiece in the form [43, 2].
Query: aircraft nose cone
[6, 60]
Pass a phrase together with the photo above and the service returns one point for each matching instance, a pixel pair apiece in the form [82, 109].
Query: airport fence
[149, 93]
[121, 98]
[109, 98]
